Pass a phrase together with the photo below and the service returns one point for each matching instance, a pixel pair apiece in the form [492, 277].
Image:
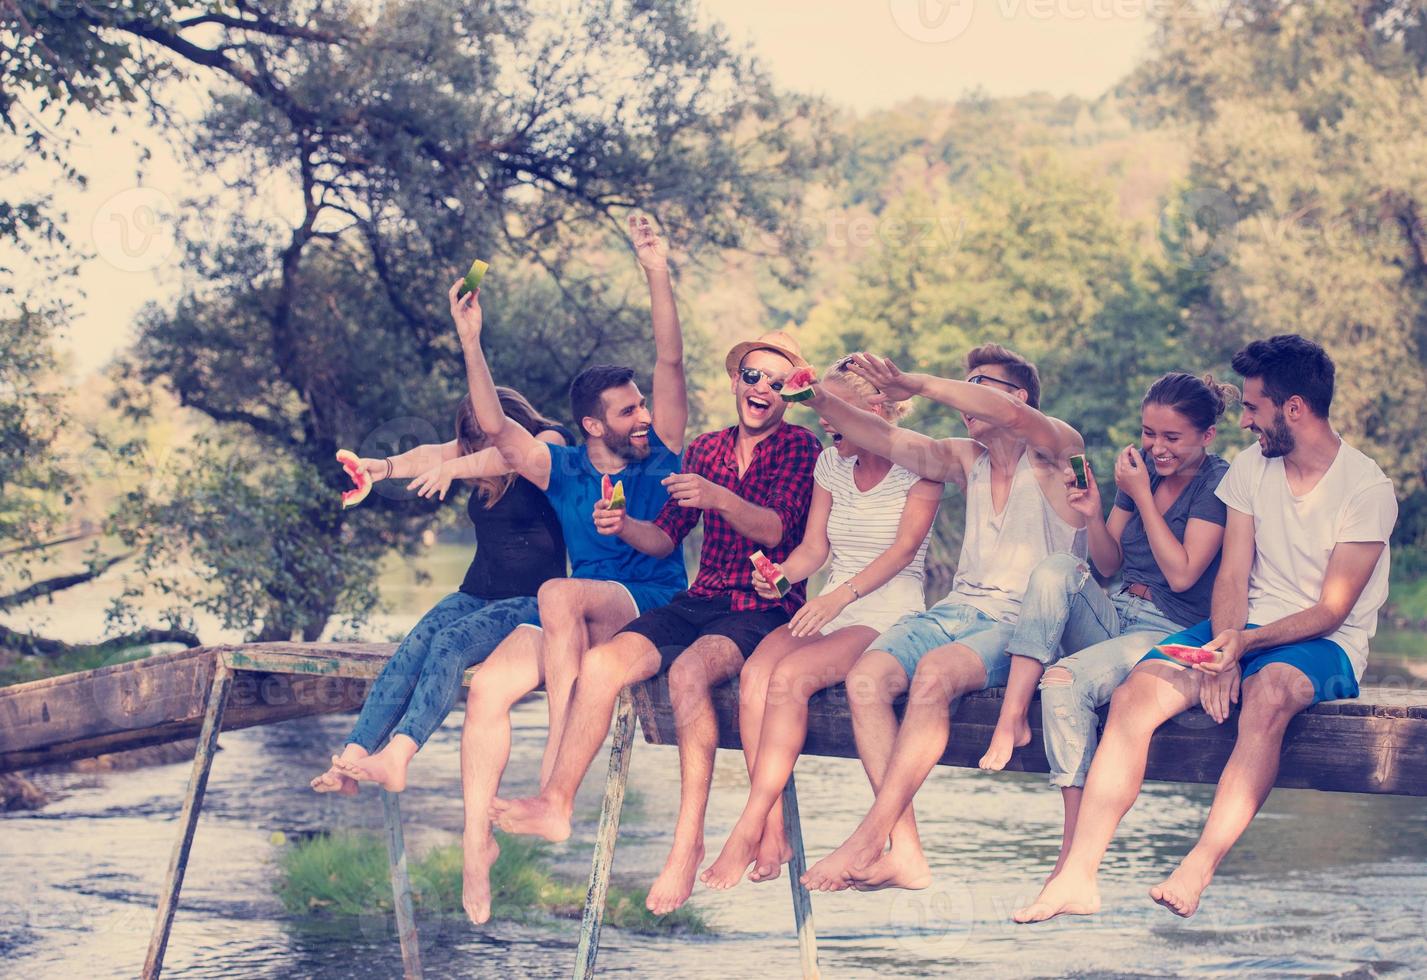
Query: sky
[862, 54]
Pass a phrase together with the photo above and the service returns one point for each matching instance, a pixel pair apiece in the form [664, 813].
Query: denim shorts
[1322, 661]
[916, 635]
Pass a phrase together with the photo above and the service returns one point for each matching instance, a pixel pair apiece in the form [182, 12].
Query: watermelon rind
[472, 282]
[781, 583]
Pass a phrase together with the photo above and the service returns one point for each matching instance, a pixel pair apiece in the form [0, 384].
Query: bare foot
[477, 858]
[1007, 737]
[676, 882]
[332, 781]
[737, 854]
[533, 815]
[896, 869]
[1062, 895]
[834, 872]
[1181, 890]
[773, 853]
[385, 768]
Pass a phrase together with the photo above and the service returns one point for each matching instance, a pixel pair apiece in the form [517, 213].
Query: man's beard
[1278, 440]
[624, 447]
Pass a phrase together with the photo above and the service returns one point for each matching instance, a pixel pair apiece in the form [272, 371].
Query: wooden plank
[161, 699]
[401, 886]
[1377, 744]
[188, 821]
[617, 776]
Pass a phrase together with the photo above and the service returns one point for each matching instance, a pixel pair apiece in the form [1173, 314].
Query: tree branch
[59, 583]
[46, 647]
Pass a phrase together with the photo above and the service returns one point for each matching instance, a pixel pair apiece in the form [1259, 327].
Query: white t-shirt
[1294, 537]
[861, 525]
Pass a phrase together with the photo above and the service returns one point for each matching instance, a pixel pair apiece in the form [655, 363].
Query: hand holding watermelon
[465, 312]
[768, 578]
[360, 476]
[799, 385]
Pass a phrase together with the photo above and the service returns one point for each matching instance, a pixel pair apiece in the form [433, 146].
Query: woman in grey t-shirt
[1162, 538]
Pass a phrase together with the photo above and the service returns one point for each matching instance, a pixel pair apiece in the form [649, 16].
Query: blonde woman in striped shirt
[872, 517]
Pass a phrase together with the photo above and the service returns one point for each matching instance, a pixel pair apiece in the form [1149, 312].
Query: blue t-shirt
[574, 488]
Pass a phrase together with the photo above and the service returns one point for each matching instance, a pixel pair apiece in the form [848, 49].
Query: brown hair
[471, 439]
[840, 369]
[1200, 400]
[1022, 371]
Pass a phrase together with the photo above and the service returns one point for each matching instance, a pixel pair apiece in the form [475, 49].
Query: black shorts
[673, 627]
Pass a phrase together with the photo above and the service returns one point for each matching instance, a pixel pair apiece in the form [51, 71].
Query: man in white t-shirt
[1303, 574]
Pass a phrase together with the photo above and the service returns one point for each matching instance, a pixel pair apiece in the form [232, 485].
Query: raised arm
[437, 480]
[940, 460]
[671, 398]
[524, 453]
[1046, 435]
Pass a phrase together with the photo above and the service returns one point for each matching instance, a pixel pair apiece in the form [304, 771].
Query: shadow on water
[1321, 885]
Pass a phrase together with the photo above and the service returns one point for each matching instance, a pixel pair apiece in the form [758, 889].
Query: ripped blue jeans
[1064, 608]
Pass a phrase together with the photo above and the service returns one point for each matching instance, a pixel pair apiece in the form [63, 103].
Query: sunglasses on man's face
[981, 379]
[751, 376]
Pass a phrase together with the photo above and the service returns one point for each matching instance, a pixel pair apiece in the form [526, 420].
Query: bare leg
[575, 614]
[511, 672]
[876, 681]
[798, 676]
[334, 780]
[607, 668]
[1153, 693]
[1012, 729]
[1272, 697]
[943, 674]
[386, 767]
[708, 661]
[1070, 797]
[771, 845]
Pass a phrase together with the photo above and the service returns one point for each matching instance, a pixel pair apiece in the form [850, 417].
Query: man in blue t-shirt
[610, 582]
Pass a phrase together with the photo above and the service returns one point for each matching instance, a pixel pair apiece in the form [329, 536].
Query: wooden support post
[593, 919]
[188, 820]
[797, 866]
[401, 887]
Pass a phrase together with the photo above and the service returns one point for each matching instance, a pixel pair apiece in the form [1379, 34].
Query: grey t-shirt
[1139, 566]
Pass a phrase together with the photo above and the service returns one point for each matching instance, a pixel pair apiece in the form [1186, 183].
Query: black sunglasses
[751, 376]
[981, 379]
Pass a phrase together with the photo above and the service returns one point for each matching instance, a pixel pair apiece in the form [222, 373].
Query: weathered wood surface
[1376, 744]
[161, 698]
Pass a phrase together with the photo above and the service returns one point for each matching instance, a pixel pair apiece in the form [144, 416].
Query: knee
[688, 674]
[1269, 704]
[557, 599]
[870, 686]
[1060, 573]
[605, 665]
[788, 684]
[753, 683]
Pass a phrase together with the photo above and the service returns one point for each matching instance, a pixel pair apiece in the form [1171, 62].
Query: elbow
[1179, 581]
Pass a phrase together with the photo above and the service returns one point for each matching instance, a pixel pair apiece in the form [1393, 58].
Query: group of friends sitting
[1276, 564]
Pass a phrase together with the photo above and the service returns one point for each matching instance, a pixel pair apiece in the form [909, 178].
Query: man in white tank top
[1013, 469]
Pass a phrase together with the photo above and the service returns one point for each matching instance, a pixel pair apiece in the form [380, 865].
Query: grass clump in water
[346, 875]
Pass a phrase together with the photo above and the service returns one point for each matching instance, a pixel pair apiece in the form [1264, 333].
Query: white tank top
[1000, 550]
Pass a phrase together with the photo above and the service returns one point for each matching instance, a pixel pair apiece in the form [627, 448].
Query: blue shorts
[915, 635]
[1322, 661]
[647, 596]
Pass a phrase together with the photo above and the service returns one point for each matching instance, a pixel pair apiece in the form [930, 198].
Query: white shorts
[879, 610]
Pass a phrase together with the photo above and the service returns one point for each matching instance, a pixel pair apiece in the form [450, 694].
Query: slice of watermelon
[473, 278]
[361, 480]
[799, 386]
[612, 492]
[771, 573]
[1185, 654]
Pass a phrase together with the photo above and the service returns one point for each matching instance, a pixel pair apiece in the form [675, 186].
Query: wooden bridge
[1375, 744]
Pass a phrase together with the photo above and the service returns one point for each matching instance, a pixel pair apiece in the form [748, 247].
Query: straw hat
[777, 341]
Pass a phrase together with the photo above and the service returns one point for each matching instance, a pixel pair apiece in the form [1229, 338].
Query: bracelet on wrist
[390, 468]
[856, 594]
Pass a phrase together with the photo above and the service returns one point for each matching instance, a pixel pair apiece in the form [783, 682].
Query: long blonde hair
[470, 438]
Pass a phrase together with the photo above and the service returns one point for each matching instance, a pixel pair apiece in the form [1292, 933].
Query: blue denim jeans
[1065, 609]
[419, 684]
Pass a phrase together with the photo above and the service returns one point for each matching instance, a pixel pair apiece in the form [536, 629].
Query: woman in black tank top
[519, 545]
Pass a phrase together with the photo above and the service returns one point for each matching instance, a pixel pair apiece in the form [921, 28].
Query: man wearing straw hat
[751, 483]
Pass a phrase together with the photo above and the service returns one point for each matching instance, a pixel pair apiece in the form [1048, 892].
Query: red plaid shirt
[780, 477]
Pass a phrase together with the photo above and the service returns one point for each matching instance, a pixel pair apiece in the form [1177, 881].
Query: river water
[1322, 884]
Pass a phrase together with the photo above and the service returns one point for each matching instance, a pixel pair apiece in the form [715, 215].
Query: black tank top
[519, 544]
